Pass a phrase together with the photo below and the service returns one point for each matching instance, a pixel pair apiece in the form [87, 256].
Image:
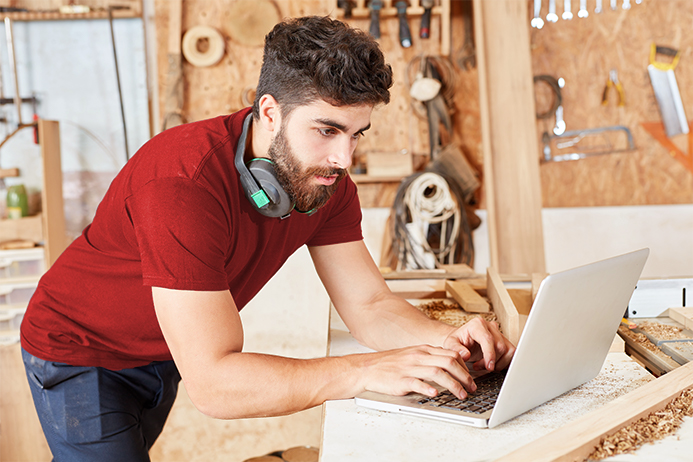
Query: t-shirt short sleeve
[183, 235]
[344, 222]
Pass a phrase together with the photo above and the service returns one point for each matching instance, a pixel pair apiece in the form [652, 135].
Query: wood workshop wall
[583, 51]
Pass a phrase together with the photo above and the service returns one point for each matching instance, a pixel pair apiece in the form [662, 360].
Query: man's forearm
[246, 385]
[392, 322]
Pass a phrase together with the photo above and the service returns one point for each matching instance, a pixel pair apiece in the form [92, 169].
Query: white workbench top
[352, 433]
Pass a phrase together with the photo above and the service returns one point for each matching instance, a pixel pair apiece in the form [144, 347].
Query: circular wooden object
[251, 20]
[208, 57]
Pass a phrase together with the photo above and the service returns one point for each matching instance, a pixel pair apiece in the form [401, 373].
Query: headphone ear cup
[264, 174]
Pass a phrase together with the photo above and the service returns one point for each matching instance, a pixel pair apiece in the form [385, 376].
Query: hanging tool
[374, 29]
[467, 58]
[666, 90]
[347, 6]
[425, 31]
[613, 82]
[567, 10]
[536, 21]
[582, 12]
[552, 16]
[626, 5]
[404, 32]
[598, 6]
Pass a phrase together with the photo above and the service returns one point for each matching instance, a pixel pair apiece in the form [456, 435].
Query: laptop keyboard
[482, 400]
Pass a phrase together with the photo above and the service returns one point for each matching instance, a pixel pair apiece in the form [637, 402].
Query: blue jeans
[95, 414]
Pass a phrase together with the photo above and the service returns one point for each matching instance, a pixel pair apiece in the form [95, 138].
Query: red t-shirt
[174, 217]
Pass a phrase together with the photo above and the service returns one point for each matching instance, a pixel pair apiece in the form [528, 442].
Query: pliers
[613, 81]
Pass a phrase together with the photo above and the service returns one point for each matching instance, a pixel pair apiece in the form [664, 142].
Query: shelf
[57, 16]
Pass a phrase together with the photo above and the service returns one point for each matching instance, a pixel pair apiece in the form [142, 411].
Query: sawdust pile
[655, 426]
[452, 313]
[662, 331]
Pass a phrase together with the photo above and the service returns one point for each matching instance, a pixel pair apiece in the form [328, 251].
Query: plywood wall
[583, 51]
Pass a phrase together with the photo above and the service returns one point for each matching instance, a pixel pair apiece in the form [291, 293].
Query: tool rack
[441, 9]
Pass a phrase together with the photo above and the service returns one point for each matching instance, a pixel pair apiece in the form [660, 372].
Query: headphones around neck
[259, 181]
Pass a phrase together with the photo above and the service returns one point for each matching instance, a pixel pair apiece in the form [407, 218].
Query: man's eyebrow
[339, 126]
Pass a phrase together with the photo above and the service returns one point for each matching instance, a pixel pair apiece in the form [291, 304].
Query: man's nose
[342, 156]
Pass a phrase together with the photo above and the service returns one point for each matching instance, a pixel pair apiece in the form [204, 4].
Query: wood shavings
[642, 340]
[653, 427]
[662, 331]
[452, 313]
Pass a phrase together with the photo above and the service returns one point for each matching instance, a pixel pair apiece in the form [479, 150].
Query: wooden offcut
[578, 439]
[682, 315]
[503, 306]
[467, 297]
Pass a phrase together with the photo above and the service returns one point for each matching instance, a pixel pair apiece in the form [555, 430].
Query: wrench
[583, 9]
[613, 4]
[598, 7]
[552, 16]
[567, 14]
[626, 5]
[537, 22]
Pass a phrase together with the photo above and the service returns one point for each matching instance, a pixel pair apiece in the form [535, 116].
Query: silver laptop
[568, 333]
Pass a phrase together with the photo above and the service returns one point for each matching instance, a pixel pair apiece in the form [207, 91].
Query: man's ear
[270, 116]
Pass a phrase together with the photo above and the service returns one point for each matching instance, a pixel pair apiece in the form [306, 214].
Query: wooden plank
[578, 439]
[418, 289]
[55, 239]
[468, 298]
[682, 315]
[509, 135]
[503, 306]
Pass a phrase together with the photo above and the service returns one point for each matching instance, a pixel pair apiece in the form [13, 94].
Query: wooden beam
[503, 306]
[55, 239]
[467, 297]
[577, 440]
[509, 142]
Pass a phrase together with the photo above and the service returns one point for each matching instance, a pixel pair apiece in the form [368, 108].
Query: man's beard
[299, 183]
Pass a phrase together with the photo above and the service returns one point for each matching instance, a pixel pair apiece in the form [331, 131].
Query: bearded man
[192, 228]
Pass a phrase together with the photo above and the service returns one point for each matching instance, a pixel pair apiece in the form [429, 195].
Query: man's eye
[327, 131]
[358, 135]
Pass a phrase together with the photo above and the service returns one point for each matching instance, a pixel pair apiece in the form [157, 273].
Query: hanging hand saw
[666, 90]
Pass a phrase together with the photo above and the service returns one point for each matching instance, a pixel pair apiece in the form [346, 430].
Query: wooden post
[54, 237]
[510, 147]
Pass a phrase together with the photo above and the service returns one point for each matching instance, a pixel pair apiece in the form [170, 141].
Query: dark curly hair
[312, 58]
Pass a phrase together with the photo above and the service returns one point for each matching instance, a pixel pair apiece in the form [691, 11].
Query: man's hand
[405, 370]
[481, 342]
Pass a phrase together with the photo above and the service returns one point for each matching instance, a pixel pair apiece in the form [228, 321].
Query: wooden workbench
[354, 433]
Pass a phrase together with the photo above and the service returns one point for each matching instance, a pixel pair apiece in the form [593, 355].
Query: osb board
[21, 438]
[218, 89]
[583, 51]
